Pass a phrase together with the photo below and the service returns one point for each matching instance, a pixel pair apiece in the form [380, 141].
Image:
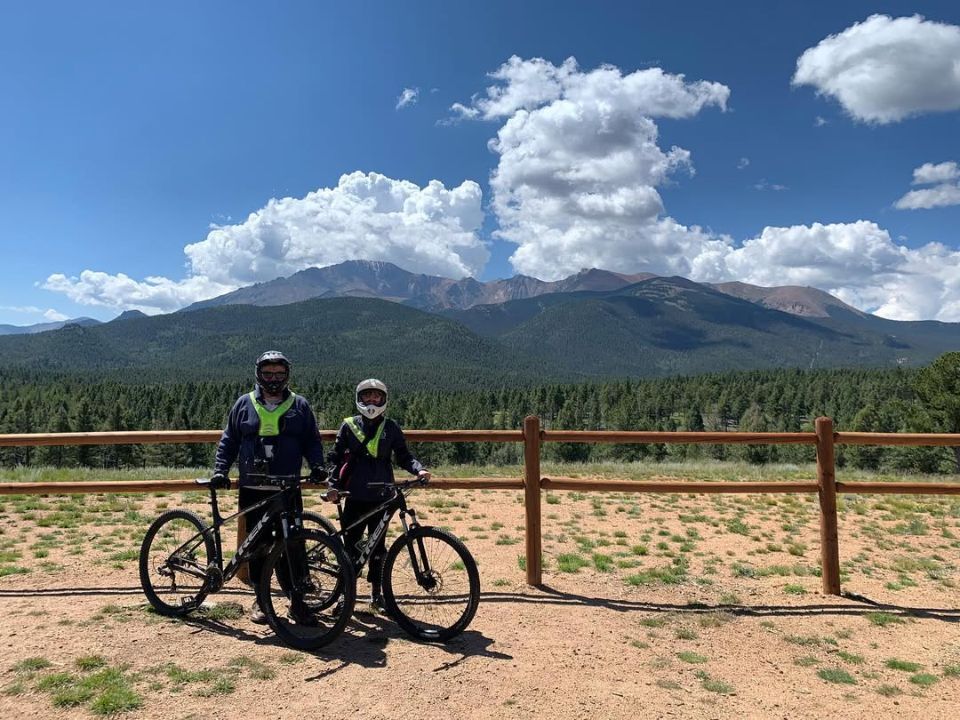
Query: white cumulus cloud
[579, 164]
[942, 172]
[409, 96]
[120, 292]
[885, 69]
[366, 216]
[939, 196]
[945, 191]
[858, 262]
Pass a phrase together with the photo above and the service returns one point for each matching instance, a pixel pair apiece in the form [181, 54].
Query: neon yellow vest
[355, 426]
[270, 419]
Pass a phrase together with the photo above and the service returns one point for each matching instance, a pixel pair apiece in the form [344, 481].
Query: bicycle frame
[395, 504]
[218, 574]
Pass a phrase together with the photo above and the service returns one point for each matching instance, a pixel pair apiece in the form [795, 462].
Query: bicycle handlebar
[222, 482]
[402, 485]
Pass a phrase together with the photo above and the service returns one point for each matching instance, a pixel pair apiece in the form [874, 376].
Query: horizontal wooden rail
[899, 488]
[640, 436]
[146, 437]
[865, 438]
[90, 488]
[675, 486]
[155, 437]
[146, 486]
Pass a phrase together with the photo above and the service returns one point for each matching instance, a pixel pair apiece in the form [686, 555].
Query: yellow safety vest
[270, 419]
[357, 429]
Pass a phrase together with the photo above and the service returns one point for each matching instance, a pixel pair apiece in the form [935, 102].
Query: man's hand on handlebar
[220, 481]
[424, 475]
[318, 474]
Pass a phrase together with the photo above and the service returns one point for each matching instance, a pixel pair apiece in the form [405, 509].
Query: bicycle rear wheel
[315, 521]
[312, 611]
[174, 557]
[431, 585]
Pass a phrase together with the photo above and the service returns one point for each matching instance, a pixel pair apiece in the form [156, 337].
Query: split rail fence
[533, 483]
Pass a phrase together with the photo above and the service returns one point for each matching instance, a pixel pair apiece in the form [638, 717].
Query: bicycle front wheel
[310, 607]
[174, 557]
[431, 585]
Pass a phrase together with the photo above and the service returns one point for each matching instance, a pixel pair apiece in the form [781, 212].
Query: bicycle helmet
[273, 386]
[371, 410]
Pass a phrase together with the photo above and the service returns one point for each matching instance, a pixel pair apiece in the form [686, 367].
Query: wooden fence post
[827, 490]
[531, 497]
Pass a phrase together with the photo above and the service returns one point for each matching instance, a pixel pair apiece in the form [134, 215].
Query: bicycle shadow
[545, 594]
[367, 636]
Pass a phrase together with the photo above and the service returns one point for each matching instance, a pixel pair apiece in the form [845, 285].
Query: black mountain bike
[306, 589]
[430, 582]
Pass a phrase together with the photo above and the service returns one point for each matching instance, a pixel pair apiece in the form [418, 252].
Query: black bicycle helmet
[273, 386]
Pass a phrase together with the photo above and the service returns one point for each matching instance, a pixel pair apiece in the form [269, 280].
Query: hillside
[338, 337]
[667, 326]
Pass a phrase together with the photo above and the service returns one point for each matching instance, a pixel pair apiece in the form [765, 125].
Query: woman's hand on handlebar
[333, 495]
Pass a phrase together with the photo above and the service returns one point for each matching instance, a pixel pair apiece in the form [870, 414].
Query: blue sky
[684, 139]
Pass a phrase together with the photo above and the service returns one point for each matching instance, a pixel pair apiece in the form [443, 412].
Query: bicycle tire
[329, 604]
[172, 573]
[440, 605]
[314, 521]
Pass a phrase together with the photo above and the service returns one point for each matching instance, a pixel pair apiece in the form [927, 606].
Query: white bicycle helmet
[371, 410]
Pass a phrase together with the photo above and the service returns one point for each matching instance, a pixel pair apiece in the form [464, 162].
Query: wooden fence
[533, 483]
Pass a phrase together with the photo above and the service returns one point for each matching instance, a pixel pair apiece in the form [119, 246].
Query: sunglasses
[273, 375]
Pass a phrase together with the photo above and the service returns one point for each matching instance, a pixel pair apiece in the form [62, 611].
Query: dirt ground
[652, 607]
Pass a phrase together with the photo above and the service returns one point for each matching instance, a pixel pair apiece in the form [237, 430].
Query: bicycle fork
[421, 566]
[298, 569]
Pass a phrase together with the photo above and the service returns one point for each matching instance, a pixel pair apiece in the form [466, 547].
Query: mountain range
[366, 278]
[374, 317]
[43, 327]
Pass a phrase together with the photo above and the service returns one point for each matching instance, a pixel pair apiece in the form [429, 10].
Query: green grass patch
[905, 665]
[32, 664]
[924, 679]
[571, 562]
[836, 675]
[882, 619]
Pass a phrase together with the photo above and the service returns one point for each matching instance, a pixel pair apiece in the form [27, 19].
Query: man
[362, 456]
[270, 430]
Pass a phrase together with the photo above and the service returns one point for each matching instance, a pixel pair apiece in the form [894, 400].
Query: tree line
[785, 400]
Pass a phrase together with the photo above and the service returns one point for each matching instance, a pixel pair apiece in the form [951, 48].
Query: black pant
[353, 510]
[248, 496]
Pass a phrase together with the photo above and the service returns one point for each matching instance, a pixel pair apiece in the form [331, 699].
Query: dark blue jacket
[299, 440]
[363, 468]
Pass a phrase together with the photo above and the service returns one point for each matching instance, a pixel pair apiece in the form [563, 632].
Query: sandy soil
[740, 628]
